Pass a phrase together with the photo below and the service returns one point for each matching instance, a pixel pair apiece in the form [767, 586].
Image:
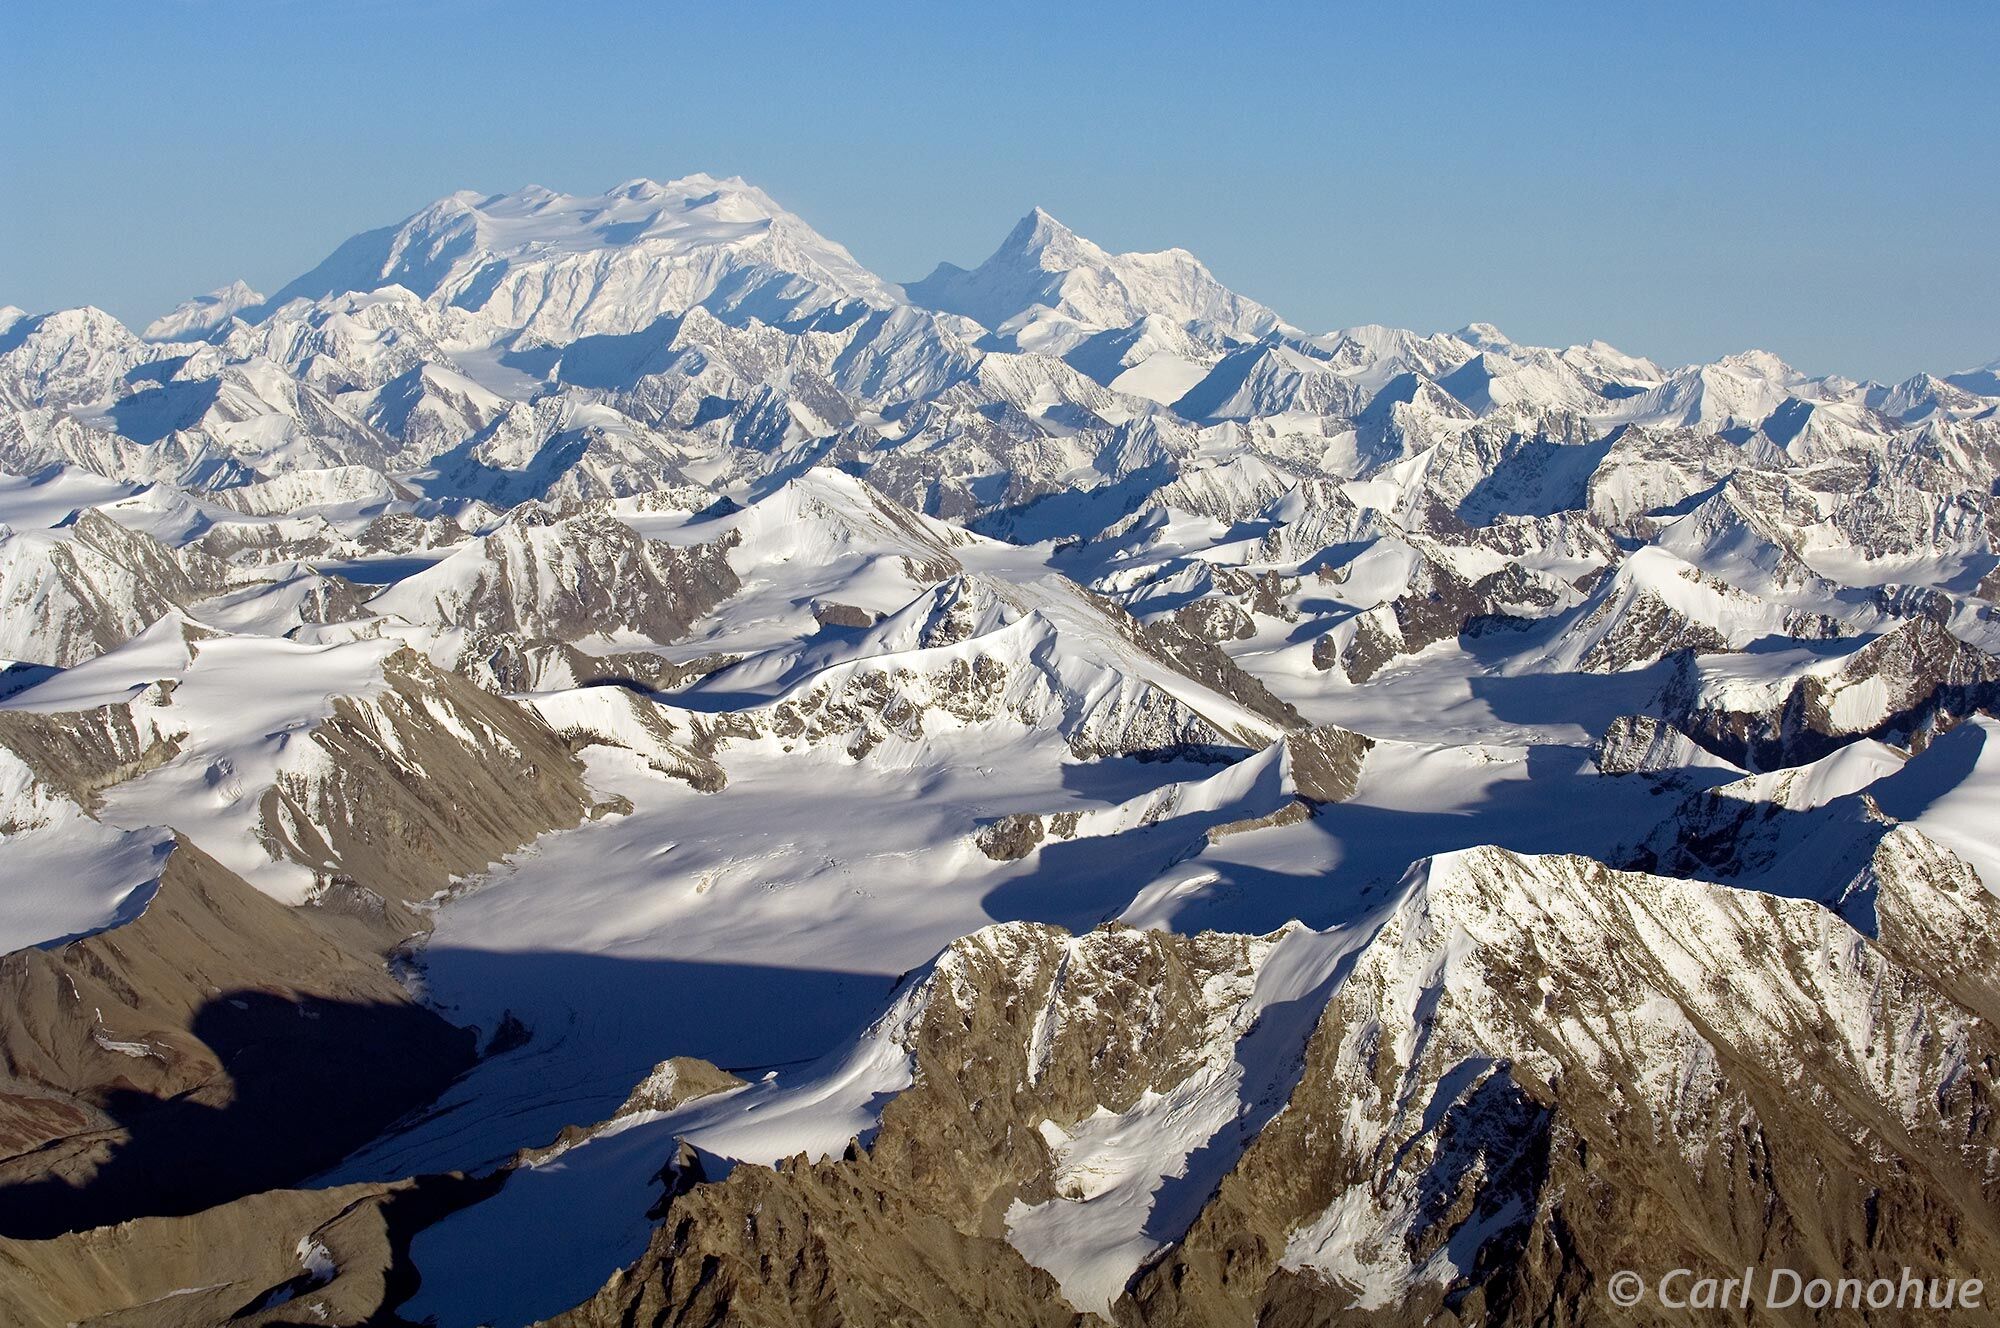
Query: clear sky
[1681, 179]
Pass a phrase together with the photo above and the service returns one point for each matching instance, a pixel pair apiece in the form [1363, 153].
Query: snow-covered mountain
[558, 266]
[1047, 289]
[590, 760]
[204, 314]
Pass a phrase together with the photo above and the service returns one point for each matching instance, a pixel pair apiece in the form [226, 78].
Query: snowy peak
[1047, 288]
[1983, 381]
[193, 319]
[1053, 246]
[560, 266]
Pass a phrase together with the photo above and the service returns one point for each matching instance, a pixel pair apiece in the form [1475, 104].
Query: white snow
[1129, 1183]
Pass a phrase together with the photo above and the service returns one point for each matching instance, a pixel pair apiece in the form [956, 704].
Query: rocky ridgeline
[1533, 1072]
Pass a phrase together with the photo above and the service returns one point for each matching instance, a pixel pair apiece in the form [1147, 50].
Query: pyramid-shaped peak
[1039, 235]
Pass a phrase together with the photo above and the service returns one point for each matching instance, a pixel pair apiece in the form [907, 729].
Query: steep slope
[1574, 1086]
[1655, 604]
[577, 577]
[69, 595]
[220, 1043]
[1903, 686]
[624, 626]
[155, 1064]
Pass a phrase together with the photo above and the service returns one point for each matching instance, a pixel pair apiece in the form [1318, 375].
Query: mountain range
[590, 760]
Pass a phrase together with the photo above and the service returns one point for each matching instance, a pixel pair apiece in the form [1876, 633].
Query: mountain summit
[560, 266]
[1046, 289]
[203, 314]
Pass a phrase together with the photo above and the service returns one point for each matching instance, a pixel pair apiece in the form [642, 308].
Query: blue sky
[1683, 179]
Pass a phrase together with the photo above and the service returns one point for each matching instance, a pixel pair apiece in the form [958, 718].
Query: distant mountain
[1046, 288]
[202, 315]
[560, 266]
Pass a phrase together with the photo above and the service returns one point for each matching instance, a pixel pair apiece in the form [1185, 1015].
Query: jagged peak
[1040, 235]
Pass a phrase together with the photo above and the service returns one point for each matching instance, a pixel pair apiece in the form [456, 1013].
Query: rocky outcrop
[583, 576]
[66, 599]
[1439, 604]
[1645, 745]
[1325, 762]
[331, 1256]
[1185, 642]
[83, 752]
[1594, 1078]
[1011, 837]
[1021, 1026]
[612, 716]
[426, 780]
[1904, 687]
[218, 1041]
[1023, 673]
[1532, 1072]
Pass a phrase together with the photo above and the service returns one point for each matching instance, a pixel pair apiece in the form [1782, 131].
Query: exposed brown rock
[1930, 679]
[284, 1257]
[829, 614]
[1604, 1071]
[1325, 762]
[218, 1044]
[1010, 837]
[404, 802]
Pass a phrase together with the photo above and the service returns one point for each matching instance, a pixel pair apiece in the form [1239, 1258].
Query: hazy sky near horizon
[1683, 180]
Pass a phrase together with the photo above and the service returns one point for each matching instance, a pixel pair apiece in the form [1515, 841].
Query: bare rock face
[674, 1082]
[1190, 646]
[1541, 1071]
[1325, 762]
[617, 717]
[430, 779]
[828, 613]
[1642, 744]
[1439, 605]
[117, 1273]
[1904, 686]
[82, 753]
[331, 1256]
[218, 1044]
[1020, 1025]
[1010, 837]
[586, 575]
[506, 663]
[1021, 672]
[65, 600]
